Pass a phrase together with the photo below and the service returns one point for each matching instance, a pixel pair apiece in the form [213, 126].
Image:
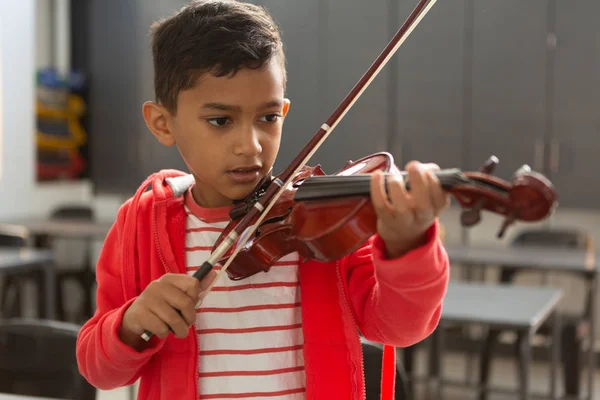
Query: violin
[325, 217]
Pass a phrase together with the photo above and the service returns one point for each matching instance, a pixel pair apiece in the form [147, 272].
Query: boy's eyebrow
[221, 106]
[229, 107]
[270, 104]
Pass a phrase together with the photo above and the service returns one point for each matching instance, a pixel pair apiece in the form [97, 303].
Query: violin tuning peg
[507, 222]
[525, 169]
[489, 166]
[470, 217]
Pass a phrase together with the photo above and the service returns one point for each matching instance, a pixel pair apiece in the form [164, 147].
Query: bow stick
[245, 228]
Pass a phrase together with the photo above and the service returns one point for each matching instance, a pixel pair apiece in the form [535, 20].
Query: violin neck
[332, 186]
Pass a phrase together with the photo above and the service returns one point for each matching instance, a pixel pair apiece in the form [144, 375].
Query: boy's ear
[286, 106]
[156, 117]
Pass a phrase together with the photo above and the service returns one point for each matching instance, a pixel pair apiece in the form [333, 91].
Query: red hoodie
[393, 301]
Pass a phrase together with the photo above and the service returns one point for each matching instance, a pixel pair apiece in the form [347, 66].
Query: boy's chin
[240, 193]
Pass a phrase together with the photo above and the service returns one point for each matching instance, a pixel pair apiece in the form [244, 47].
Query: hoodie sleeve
[397, 301]
[103, 359]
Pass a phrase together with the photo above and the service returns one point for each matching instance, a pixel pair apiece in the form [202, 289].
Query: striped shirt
[249, 331]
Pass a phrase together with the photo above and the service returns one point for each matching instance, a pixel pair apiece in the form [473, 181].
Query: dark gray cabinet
[508, 82]
[512, 78]
[572, 151]
[429, 119]
[300, 33]
[352, 34]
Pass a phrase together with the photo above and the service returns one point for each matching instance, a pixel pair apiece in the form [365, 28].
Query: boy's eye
[219, 121]
[270, 118]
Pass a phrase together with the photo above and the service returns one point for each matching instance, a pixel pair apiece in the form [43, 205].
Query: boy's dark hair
[217, 36]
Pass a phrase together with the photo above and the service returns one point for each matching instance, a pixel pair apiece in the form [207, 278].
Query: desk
[38, 231]
[30, 259]
[578, 262]
[4, 396]
[65, 228]
[540, 258]
[523, 309]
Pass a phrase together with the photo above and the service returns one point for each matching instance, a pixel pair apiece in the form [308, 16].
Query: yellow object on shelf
[74, 109]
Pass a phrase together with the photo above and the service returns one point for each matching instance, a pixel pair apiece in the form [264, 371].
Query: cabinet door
[428, 117]
[153, 156]
[113, 101]
[352, 34]
[299, 23]
[509, 83]
[573, 152]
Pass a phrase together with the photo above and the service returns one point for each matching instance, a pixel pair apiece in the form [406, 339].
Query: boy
[291, 333]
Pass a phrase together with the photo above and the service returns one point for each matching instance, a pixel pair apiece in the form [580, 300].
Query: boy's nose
[248, 143]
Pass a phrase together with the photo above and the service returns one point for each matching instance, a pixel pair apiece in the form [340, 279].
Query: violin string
[319, 187]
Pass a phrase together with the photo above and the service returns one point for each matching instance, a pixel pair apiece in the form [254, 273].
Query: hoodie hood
[166, 187]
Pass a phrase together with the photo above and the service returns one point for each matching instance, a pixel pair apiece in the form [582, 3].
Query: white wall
[25, 45]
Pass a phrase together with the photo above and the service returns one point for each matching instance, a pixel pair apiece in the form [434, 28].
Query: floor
[504, 374]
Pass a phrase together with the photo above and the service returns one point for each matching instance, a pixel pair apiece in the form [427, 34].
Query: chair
[373, 362]
[13, 280]
[83, 275]
[570, 340]
[37, 358]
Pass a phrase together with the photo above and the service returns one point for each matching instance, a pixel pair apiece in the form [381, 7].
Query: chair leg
[485, 361]
[14, 309]
[524, 364]
[88, 283]
[409, 362]
[41, 294]
[7, 284]
[60, 309]
[571, 358]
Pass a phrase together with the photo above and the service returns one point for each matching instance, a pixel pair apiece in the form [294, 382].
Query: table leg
[592, 335]
[524, 364]
[49, 278]
[439, 344]
[555, 354]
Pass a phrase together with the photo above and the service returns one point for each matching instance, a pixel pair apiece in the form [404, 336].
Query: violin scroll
[529, 196]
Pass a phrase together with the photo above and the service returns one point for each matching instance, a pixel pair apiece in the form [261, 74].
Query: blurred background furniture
[37, 358]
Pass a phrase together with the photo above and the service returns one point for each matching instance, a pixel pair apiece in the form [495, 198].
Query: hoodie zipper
[347, 303]
[160, 256]
[195, 338]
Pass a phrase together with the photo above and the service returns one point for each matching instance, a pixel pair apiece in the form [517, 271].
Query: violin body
[316, 230]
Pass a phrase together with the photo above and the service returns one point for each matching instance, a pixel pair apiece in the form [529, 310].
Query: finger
[431, 167]
[399, 196]
[208, 280]
[180, 301]
[154, 324]
[419, 186]
[186, 283]
[439, 198]
[163, 310]
[379, 197]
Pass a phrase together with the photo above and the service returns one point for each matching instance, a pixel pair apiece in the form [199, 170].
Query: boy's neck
[200, 197]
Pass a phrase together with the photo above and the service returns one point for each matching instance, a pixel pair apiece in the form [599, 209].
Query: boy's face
[227, 129]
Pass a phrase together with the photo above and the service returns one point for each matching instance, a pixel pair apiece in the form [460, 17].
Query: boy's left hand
[403, 218]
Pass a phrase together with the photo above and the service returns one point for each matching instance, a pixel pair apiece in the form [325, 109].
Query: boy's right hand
[155, 309]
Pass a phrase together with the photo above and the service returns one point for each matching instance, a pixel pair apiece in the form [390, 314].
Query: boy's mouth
[245, 174]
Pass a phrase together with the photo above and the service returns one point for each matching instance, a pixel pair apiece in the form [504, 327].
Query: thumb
[205, 286]
[207, 280]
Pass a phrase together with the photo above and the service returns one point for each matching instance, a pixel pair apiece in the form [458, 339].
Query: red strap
[388, 373]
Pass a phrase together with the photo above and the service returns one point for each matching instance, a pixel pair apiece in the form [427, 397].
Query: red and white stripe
[249, 331]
